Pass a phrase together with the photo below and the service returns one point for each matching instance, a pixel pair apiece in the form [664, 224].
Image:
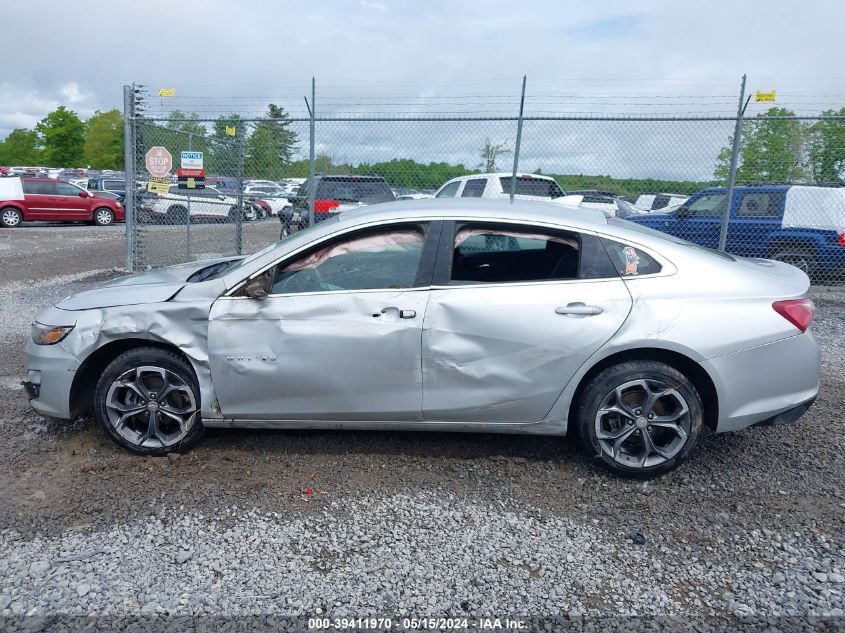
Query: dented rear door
[504, 352]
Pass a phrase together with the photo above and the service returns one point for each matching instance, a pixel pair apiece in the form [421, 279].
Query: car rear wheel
[802, 258]
[641, 418]
[147, 400]
[103, 216]
[10, 217]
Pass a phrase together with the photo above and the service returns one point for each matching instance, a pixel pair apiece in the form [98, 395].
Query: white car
[201, 204]
[272, 194]
[498, 185]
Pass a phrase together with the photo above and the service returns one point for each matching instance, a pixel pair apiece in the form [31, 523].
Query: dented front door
[319, 356]
[504, 352]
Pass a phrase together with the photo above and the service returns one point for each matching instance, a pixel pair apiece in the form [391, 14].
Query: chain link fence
[670, 172]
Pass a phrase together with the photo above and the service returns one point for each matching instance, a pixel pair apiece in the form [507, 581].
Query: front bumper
[50, 373]
[767, 382]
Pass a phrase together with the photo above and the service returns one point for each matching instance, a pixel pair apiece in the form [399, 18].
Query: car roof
[481, 208]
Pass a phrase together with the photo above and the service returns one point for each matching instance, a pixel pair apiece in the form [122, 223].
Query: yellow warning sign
[158, 185]
[167, 92]
[231, 131]
[766, 96]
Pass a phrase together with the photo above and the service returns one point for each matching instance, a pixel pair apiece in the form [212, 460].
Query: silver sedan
[448, 315]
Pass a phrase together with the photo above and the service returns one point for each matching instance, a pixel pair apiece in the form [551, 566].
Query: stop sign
[159, 162]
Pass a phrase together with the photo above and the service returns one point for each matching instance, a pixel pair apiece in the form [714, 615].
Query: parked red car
[44, 199]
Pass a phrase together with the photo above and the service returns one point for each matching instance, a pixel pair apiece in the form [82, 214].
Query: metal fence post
[188, 220]
[239, 217]
[729, 189]
[518, 140]
[129, 168]
[311, 174]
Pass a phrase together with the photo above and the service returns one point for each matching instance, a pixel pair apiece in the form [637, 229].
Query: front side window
[498, 254]
[450, 190]
[474, 188]
[372, 260]
[38, 187]
[67, 189]
[708, 204]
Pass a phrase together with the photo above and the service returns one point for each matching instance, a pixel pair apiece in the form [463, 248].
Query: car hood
[153, 286]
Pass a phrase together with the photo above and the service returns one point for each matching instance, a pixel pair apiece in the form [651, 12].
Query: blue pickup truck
[801, 225]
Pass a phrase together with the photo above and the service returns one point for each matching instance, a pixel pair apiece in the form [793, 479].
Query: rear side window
[38, 187]
[630, 261]
[767, 204]
[529, 186]
[114, 184]
[498, 254]
[474, 188]
[449, 190]
[354, 190]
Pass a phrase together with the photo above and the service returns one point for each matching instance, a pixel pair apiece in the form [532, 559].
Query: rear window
[354, 190]
[528, 186]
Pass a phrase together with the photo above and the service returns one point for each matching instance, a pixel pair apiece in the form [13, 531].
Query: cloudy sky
[433, 57]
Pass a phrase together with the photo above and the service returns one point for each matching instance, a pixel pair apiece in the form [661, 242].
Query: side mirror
[85, 194]
[221, 197]
[257, 287]
[683, 213]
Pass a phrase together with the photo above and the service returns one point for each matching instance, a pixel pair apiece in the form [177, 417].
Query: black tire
[801, 257]
[10, 217]
[103, 216]
[657, 377]
[176, 214]
[169, 437]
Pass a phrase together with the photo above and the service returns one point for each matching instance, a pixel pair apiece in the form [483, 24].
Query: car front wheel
[10, 217]
[147, 400]
[641, 418]
[103, 217]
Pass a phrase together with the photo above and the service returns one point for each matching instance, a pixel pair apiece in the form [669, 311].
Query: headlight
[49, 334]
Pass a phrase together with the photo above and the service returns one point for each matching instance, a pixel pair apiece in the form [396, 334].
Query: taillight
[799, 312]
[324, 206]
[841, 239]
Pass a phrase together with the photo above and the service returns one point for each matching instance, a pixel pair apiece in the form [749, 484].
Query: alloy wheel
[643, 423]
[151, 407]
[11, 217]
[104, 217]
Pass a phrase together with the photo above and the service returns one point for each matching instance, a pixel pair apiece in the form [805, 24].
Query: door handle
[579, 309]
[403, 314]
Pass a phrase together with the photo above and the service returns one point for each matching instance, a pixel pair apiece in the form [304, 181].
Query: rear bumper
[788, 416]
[766, 384]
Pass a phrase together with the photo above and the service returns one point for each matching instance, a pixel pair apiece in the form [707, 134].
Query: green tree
[62, 134]
[770, 149]
[490, 154]
[21, 147]
[407, 173]
[826, 151]
[223, 148]
[268, 150]
[104, 140]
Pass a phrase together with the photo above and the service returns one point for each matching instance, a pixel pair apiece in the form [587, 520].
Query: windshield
[639, 228]
[354, 190]
[251, 258]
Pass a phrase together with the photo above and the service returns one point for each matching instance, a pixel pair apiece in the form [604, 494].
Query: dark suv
[335, 194]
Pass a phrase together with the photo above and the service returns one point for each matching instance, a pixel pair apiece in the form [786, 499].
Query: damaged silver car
[442, 314]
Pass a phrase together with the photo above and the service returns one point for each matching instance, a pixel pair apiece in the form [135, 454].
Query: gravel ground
[423, 524]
